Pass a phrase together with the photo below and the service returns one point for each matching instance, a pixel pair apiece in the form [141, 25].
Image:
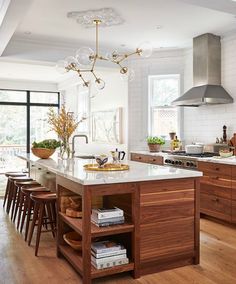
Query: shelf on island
[75, 258]
[76, 224]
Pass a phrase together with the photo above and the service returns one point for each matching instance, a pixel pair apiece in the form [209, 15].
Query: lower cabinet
[217, 191]
[150, 159]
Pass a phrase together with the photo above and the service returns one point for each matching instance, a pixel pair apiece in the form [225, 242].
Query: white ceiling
[42, 31]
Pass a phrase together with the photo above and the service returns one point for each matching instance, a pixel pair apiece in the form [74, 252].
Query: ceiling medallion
[85, 61]
[107, 16]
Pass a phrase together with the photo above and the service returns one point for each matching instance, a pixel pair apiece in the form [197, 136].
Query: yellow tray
[107, 167]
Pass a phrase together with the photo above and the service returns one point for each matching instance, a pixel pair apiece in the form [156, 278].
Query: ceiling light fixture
[85, 61]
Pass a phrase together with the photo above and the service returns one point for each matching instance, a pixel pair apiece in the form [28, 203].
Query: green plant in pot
[154, 143]
[45, 148]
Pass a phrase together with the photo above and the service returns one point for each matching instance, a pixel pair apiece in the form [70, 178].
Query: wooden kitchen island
[161, 206]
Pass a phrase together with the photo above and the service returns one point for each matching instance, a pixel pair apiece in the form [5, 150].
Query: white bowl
[226, 154]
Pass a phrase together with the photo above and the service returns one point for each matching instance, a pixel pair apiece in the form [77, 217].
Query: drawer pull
[39, 168]
[217, 169]
[215, 199]
[139, 158]
[153, 160]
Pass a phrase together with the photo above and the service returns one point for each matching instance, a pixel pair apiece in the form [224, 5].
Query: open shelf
[75, 258]
[76, 224]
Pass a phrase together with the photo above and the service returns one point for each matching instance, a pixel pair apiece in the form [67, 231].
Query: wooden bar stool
[8, 174]
[28, 206]
[19, 185]
[44, 213]
[13, 191]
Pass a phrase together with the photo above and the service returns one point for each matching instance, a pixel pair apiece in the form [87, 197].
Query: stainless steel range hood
[206, 74]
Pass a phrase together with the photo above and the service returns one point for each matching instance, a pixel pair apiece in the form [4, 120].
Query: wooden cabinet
[150, 159]
[218, 191]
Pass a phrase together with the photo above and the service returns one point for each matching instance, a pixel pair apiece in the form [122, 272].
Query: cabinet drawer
[158, 160]
[215, 206]
[220, 170]
[216, 186]
[234, 182]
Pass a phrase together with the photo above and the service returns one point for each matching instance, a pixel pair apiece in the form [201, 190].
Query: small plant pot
[172, 135]
[154, 147]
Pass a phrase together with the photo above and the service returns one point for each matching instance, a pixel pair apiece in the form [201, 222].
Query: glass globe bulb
[61, 66]
[85, 55]
[145, 49]
[72, 62]
[100, 84]
[128, 76]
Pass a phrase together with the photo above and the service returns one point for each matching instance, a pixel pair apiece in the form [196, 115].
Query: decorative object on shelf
[64, 124]
[101, 160]
[74, 240]
[117, 156]
[45, 148]
[172, 135]
[85, 59]
[73, 213]
[103, 217]
[226, 153]
[154, 143]
[107, 167]
[106, 126]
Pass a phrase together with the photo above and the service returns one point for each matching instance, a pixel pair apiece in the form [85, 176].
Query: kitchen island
[161, 206]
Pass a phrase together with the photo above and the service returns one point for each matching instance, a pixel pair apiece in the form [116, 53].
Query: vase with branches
[64, 124]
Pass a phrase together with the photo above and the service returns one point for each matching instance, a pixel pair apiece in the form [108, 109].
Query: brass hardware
[107, 167]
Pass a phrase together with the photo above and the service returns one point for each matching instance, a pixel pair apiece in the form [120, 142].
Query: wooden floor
[19, 265]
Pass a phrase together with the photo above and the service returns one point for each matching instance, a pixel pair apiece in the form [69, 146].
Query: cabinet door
[150, 159]
[215, 206]
[215, 169]
[234, 182]
[167, 219]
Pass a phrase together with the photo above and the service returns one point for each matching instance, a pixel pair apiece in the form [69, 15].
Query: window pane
[165, 90]
[12, 96]
[44, 98]
[39, 127]
[164, 121]
[83, 109]
[12, 137]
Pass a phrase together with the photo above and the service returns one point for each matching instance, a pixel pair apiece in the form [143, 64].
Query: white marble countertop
[228, 161]
[73, 170]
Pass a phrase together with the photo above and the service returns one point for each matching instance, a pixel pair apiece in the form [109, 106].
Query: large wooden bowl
[74, 240]
[42, 153]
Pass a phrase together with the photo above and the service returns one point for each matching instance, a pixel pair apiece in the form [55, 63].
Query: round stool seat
[28, 190]
[14, 174]
[43, 197]
[26, 183]
[24, 178]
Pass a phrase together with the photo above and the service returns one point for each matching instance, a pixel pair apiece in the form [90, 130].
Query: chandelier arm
[128, 55]
[94, 75]
[94, 62]
[82, 78]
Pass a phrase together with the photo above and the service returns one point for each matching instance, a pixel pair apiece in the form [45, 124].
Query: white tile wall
[205, 123]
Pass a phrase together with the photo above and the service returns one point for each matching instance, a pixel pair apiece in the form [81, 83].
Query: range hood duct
[206, 74]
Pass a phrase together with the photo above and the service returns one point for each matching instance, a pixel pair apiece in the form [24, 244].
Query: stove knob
[172, 162]
[176, 162]
[180, 163]
[167, 161]
[191, 164]
[187, 164]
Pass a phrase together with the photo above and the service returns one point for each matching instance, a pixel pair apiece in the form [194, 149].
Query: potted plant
[45, 148]
[154, 143]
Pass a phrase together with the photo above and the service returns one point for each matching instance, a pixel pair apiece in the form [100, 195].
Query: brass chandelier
[85, 61]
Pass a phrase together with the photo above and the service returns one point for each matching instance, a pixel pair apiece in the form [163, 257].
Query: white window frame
[151, 106]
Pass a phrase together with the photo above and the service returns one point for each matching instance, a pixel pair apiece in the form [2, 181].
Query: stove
[181, 159]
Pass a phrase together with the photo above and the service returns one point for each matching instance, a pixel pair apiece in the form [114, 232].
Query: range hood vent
[206, 74]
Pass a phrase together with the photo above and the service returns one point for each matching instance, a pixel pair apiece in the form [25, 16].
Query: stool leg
[10, 192]
[6, 193]
[48, 205]
[33, 224]
[21, 204]
[30, 207]
[14, 196]
[40, 223]
[25, 211]
[17, 205]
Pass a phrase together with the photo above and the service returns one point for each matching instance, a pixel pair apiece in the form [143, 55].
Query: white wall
[162, 62]
[205, 123]
[114, 95]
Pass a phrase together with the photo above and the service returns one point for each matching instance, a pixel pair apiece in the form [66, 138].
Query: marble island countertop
[73, 169]
[228, 161]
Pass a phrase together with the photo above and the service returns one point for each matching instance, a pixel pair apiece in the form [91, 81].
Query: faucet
[73, 141]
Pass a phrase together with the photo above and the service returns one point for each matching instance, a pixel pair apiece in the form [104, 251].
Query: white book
[108, 259]
[111, 264]
[112, 219]
[106, 254]
[106, 246]
[106, 224]
[107, 213]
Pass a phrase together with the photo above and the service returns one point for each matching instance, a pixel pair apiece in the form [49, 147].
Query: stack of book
[108, 254]
[105, 217]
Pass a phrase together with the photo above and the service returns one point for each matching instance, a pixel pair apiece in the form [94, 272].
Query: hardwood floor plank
[18, 265]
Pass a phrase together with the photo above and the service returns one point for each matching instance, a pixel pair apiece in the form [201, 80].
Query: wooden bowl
[74, 240]
[43, 153]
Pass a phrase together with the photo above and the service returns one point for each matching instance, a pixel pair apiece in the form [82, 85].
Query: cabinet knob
[217, 169]
[215, 199]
